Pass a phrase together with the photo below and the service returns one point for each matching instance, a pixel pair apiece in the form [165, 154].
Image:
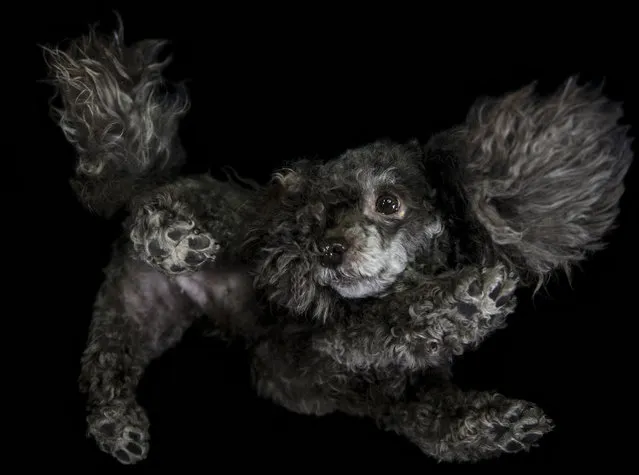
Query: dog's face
[348, 227]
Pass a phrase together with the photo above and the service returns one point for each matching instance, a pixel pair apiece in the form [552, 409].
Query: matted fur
[375, 334]
[117, 115]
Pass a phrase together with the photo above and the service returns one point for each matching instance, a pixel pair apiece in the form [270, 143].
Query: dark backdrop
[270, 86]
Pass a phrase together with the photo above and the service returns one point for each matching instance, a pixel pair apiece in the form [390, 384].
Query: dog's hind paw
[174, 244]
[480, 429]
[518, 427]
[121, 432]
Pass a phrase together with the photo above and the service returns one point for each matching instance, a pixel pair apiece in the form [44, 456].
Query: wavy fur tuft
[116, 114]
[543, 175]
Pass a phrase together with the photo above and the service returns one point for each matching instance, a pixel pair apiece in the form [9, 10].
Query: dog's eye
[387, 204]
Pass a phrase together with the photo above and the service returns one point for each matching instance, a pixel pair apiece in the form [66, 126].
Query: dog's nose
[333, 250]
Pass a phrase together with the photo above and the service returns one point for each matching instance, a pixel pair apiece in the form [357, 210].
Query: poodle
[353, 282]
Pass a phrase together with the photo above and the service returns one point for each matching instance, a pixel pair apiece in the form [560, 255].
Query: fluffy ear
[542, 176]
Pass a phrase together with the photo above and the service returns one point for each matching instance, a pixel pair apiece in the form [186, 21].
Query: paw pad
[514, 446]
[122, 456]
[155, 249]
[120, 433]
[474, 289]
[486, 291]
[194, 258]
[174, 245]
[467, 309]
[199, 242]
[176, 234]
[107, 429]
[494, 294]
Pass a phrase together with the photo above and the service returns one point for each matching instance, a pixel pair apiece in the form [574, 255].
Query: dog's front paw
[120, 430]
[488, 292]
[174, 244]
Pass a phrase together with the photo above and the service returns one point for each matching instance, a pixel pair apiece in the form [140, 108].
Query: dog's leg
[425, 326]
[455, 426]
[178, 227]
[443, 421]
[479, 304]
[138, 314]
[287, 370]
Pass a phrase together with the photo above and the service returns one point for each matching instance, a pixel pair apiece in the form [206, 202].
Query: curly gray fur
[315, 201]
[117, 117]
[369, 323]
[423, 325]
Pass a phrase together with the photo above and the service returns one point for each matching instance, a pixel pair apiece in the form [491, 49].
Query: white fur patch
[230, 289]
[194, 288]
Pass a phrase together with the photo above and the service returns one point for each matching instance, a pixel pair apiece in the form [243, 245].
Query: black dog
[381, 264]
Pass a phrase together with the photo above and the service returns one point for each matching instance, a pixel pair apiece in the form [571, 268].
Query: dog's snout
[333, 250]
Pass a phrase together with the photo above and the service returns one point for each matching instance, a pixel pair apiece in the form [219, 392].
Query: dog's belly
[225, 294]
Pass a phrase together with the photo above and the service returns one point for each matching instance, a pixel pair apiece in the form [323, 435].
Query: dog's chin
[363, 275]
[362, 287]
[357, 286]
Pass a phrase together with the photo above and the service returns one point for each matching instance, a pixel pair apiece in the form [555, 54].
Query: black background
[270, 86]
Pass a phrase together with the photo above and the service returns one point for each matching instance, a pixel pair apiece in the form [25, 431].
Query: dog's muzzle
[333, 251]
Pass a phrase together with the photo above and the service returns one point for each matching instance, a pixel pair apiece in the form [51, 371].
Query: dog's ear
[542, 175]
